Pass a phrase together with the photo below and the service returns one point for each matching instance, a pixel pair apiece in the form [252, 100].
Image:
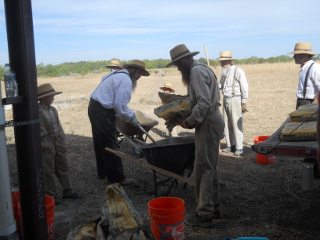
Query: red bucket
[167, 217]
[15, 200]
[260, 158]
[50, 207]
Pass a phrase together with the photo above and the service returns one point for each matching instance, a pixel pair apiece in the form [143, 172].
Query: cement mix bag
[175, 111]
[168, 98]
[119, 220]
[299, 132]
[305, 113]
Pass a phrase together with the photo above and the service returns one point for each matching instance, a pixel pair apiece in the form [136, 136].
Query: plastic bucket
[260, 158]
[167, 218]
[50, 207]
[15, 200]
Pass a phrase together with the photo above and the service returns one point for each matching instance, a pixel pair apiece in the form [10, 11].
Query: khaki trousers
[55, 165]
[232, 114]
[205, 174]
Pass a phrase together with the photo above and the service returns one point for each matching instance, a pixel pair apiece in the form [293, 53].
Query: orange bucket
[15, 200]
[50, 207]
[167, 217]
[261, 158]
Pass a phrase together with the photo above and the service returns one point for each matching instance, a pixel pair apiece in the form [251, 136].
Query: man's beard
[134, 84]
[185, 72]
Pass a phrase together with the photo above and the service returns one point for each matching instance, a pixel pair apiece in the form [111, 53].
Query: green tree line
[86, 67]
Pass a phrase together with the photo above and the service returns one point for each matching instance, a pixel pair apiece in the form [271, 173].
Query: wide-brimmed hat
[303, 48]
[168, 86]
[226, 56]
[178, 52]
[114, 63]
[46, 90]
[137, 64]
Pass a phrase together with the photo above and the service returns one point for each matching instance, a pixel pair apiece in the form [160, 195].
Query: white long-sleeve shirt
[114, 92]
[313, 82]
[241, 87]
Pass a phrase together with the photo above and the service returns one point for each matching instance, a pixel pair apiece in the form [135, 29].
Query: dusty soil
[258, 201]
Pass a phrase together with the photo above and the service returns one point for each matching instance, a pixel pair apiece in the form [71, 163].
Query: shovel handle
[146, 133]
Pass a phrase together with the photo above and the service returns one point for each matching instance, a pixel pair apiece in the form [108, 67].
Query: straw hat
[46, 90]
[226, 56]
[137, 64]
[114, 63]
[178, 52]
[167, 86]
[303, 48]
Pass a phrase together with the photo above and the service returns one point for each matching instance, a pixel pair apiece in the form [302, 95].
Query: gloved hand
[133, 120]
[244, 107]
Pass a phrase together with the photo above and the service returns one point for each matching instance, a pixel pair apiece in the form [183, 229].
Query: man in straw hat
[208, 122]
[235, 89]
[111, 97]
[53, 146]
[309, 76]
[114, 65]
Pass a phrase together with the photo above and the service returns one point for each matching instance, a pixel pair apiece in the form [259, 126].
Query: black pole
[27, 137]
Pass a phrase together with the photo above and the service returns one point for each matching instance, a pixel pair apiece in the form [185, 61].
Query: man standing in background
[114, 65]
[309, 76]
[235, 89]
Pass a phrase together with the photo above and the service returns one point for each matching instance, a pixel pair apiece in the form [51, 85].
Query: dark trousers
[301, 102]
[104, 132]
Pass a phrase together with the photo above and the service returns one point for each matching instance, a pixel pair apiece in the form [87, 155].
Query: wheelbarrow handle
[146, 133]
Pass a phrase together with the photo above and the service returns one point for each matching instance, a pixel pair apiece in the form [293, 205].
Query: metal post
[22, 58]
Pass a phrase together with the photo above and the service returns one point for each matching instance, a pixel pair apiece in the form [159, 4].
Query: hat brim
[226, 59]
[182, 56]
[50, 93]
[145, 72]
[303, 52]
[110, 66]
[170, 89]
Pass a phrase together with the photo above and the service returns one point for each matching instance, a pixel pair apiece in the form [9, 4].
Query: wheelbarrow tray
[173, 154]
[145, 121]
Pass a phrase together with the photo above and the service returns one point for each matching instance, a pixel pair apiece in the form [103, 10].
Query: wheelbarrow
[170, 156]
[133, 134]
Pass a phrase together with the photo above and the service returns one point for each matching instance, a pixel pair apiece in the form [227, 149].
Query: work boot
[229, 149]
[217, 215]
[72, 196]
[199, 221]
[57, 201]
[238, 152]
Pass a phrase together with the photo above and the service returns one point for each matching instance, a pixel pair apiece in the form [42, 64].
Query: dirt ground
[258, 200]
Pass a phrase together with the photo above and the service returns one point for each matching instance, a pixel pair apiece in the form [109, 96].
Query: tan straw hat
[303, 48]
[178, 52]
[46, 90]
[167, 86]
[114, 63]
[226, 56]
[137, 64]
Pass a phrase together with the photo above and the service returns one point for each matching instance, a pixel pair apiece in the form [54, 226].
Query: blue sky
[82, 30]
